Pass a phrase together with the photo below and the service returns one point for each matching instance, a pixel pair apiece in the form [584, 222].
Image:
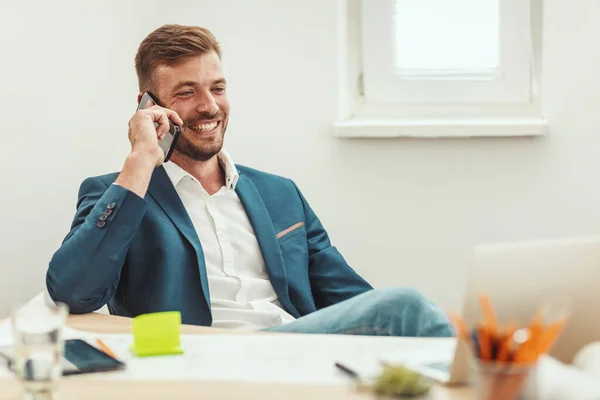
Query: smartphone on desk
[79, 358]
[169, 140]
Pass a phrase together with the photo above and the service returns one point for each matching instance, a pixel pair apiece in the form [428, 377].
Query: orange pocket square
[290, 229]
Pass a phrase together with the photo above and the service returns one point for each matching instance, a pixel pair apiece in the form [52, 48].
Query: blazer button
[111, 205]
[107, 212]
[101, 224]
[102, 217]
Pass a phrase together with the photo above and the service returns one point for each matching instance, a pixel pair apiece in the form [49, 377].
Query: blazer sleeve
[332, 279]
[84, 272]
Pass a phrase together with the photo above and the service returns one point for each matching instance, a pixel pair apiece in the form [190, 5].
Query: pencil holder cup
[503, 381]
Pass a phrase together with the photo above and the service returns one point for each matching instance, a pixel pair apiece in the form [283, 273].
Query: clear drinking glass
[495, 381]
[39, 348]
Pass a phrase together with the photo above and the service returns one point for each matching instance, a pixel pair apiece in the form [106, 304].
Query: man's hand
[145, 154]
[144, 136]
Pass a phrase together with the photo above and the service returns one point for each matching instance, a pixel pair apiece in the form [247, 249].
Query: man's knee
[398, 297]
[410, 312]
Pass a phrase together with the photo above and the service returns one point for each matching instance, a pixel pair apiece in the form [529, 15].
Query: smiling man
[224, 244]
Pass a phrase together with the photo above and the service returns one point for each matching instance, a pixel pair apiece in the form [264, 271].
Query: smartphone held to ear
[169, 140]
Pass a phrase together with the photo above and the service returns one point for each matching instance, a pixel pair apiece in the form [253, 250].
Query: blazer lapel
[265, 234]
[162, 190]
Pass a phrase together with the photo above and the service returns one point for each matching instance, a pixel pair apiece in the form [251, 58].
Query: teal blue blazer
[143, 255]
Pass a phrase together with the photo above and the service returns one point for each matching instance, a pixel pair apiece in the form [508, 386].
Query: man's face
[196, 90]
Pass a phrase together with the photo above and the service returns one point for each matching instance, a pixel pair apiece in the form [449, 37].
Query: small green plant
[399, 381]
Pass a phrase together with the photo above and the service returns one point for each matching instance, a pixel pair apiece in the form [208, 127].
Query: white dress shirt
[241, 294]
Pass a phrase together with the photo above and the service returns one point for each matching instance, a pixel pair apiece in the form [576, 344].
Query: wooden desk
[79, 387]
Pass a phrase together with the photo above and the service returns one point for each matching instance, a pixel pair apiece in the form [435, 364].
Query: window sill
[440, 127]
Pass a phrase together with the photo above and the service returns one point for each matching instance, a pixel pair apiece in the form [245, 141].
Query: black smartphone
[79, 358]
[82, 358]
[169, 140]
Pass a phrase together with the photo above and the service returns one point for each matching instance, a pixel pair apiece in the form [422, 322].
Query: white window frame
[376, 100]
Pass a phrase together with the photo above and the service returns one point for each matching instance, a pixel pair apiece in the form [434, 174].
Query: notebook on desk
[518, 276]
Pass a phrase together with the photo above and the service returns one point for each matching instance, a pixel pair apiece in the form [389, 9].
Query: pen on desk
[105, 348]
[352, 374]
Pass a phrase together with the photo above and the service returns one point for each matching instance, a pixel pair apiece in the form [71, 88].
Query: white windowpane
[447, 34]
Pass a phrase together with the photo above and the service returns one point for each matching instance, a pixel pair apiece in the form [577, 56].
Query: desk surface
[78, 387]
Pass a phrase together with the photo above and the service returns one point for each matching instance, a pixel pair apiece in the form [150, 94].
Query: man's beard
[195, 152]
[205, 151]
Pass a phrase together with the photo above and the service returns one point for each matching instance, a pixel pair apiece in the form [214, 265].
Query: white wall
[403, 212]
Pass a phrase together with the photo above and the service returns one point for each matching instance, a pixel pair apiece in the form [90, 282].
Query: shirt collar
[176, 173]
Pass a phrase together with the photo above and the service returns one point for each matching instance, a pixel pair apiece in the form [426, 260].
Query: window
[439, 68]
[437, 36]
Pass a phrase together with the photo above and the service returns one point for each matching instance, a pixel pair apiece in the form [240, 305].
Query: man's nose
[207, 104]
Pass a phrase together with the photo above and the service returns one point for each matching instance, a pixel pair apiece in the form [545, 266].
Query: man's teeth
[204, 127]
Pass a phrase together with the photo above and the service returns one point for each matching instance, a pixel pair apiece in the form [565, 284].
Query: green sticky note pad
[157, 334]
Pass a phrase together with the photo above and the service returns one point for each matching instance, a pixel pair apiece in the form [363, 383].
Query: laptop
[519, 277]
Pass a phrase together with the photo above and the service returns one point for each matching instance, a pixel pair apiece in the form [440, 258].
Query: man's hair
[169, 45]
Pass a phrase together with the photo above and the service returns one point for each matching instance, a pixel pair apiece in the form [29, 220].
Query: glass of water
[39, 348]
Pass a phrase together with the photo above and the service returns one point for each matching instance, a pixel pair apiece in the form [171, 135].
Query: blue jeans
[378, 312]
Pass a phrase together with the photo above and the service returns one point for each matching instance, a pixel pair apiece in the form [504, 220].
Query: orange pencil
[549, 336]
[485, 342]
[105, 348]
[489, 316]
[506, 342]
[521, 352]
[530, 348]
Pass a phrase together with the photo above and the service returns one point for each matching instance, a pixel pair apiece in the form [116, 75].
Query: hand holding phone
[166, 140]
[153, 130]
[153, 133]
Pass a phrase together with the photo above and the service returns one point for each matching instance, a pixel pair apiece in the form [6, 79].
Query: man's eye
[185, 94]
[219, 89]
